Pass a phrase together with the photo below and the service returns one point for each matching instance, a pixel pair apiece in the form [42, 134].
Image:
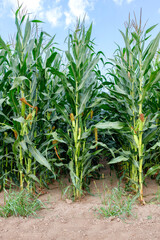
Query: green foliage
[80, 88]
[156, 199]
[57, 116]
[25, 83]
[20, 204]
[158, 196]
[134, 83]
[116, 203]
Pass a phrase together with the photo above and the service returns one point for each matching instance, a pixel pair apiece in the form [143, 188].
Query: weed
[20, 204]
[156, 198]
[116, 203]
[158, 195]
[66, 190]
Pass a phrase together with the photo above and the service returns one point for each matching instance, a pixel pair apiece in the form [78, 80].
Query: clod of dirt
[69, 201]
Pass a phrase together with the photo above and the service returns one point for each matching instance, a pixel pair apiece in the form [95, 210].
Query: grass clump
[158, 196]
[116, 203]
[20, 203]
[156, 199]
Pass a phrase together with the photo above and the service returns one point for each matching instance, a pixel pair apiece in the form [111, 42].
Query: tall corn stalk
[79, 86]
[21, 97]
[132, 84]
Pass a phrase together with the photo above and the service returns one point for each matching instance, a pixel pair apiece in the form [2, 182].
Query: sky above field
[108, 16]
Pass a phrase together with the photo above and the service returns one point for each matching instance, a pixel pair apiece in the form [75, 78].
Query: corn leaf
[39, 157]
[118, 159]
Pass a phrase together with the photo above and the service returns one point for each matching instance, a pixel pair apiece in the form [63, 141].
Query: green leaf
[5, 128]
[23, 145]
[88, 35]
[20, 120]
[84, 101]
[96, 102]
[50, 60]
[149, 136]
[151, 53]
[27, 33]
[150, 29]
[135, 36]
[88, 71]
[152, 170]
[18, 81]
[94, 168]
[72, 174]
[49, 43]
[62, 110]
[110, 125]
[120, 92]
[118, 159]
[3, 45]
[2, 100]
[34, 178]
[104, 146]
[85, 134]
[37, 21]
[39, 157]
[155, 146]
[8, 140]
[55, 137]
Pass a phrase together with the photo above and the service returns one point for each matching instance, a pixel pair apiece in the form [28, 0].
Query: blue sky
[108, 16]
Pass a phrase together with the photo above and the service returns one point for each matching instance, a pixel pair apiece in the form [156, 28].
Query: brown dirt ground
[66, 220]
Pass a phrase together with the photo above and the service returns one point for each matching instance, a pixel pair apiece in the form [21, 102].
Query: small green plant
[156, 199]
[158, 195]
[20, 204]
[116, 203]
[66, 190]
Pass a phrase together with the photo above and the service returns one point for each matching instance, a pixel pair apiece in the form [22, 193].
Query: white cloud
[38, 8]
[119, 2]
[54, 15]
[78, 9]
[32, 6]
[52, 11]
[129, 1]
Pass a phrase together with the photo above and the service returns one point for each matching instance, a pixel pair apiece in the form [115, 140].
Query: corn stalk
[79, 86]
[132, 84]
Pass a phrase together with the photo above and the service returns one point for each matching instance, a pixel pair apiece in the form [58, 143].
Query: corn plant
[79, 85]
[54, 114]
[133, 82]
[153, 156]
[24, 66]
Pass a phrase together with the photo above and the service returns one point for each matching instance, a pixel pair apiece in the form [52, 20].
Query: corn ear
[96, 136]
[91, 114]
[72, 119]
[54, 142]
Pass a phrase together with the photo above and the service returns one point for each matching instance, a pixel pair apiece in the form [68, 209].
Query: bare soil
[67, 220]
